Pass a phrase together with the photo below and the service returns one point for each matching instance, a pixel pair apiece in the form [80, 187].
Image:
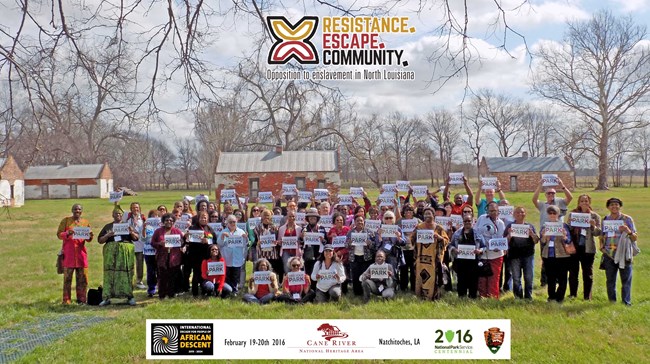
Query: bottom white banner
[328, 339]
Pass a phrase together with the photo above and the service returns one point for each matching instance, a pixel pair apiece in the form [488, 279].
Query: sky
[506, 70]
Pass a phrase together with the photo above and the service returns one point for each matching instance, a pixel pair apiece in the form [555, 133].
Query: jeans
[611, 269]
[333, 294]
[556, 275]
[232, 278]
[152, 273]
[370, 287]
[585, 260]
[517, 265]
[505, 279]
[209, 288]
[250, 298]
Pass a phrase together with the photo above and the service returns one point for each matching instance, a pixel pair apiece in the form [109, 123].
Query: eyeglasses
[295, 265]
[467, 221]
[256, 210]
[214, 216]
[550, 193]
[232, 222]
[551, 213]
[388, 218]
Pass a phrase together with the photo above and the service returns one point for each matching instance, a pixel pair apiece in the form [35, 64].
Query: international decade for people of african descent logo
[182, 339]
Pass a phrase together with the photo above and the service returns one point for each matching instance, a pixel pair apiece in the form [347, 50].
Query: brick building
[12, 183]
[252, 172]
[525, 173]
[68, 181]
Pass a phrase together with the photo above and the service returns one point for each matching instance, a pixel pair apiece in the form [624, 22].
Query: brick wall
[273, 181]
[528, 181]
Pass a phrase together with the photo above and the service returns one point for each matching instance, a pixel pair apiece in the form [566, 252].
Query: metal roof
[527, 164]
[61, 171]
[287, 161]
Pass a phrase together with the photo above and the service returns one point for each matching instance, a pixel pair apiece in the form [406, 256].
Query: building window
[253, 187]
[300, 183]
[45, 190]
[513, 183]
[12, 192]
[321, 183]
[73, 190]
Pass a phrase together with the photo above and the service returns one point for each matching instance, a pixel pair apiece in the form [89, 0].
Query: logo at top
[292, 41]
[494, 339]
[330, 332]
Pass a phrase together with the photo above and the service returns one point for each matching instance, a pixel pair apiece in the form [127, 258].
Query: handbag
[603, 265]
[570, 248]
[59, 263]
[484, 268]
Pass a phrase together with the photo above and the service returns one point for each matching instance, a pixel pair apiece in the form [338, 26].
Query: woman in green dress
[119, 259]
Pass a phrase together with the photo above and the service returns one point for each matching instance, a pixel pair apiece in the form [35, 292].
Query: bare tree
[187, 158]
[602, 74]
[504, 116]
[540, 128]
[618, 150]
[444, 132]
[367, 144]
[641, 147]
[404, 138]
[473, 129]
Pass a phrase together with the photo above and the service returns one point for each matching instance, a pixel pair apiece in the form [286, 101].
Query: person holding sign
[459, 204]
[232, 243]
[481, 204]
[554, 254]
[328, 274]
[378, 279]
[213, 272]
[619, 247]
[290, 229]
[267, 244]
[430, 241]
[149, 252]
[198, 240]
[361, 249]
[491, 227]
[169, 255]
[119, 260]
[136, 219]
[521, 252]
[296, 286]
[262, 288]
[407, 270]
[585, 227]
[311, 248]
[75, 256]
[466, 246]
[340, 230]
[390, 239]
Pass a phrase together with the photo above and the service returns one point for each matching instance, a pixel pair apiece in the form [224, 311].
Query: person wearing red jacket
[214, 280]
[168, 256]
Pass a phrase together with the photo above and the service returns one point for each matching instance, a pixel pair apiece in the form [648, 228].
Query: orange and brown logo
[292, 41]
[494, 339]
[330, 332]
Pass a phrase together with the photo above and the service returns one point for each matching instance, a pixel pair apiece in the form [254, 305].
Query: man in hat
[311, 252]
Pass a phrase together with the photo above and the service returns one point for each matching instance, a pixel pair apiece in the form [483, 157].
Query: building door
[45, 190]
[253, 187]
[73, 190]
[513, 183]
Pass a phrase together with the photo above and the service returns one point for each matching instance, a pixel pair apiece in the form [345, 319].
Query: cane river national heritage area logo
[351, 48]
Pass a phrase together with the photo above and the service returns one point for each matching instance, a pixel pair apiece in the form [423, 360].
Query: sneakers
[105, 302]
[131, 301]
[140, 285]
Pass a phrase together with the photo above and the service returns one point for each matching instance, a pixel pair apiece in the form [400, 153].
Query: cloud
[629, 6]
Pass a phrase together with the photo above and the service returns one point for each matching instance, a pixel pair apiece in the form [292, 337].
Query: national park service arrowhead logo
[494, 339]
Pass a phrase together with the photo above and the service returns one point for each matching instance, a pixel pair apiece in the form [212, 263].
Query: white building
[12, 184]
[68, 181]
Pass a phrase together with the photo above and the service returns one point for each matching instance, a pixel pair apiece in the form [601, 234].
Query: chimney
[524, 155]
[278, 148]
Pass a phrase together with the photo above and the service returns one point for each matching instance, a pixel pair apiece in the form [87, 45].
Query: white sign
[265, 197]
[81, 232]
[173, 241]
[201, 197]
[456, 221]
[498, 244]
[326, 221]
[262, 277]
[304, 196]
[466, 252]
[277, 219]
[321, 194]
[327, 276]
[289, 242]
[402, 186]
[378, 271]
[444, 221]
[408, 225]
[216, 269]
[554, 228]
[241, 225]
[288, 189]
[312, 238]
[296, 278]
[456, 178]
[228, 195]
[267, 242]
[424, 236]
[387, 199]
[356, 192]
[339, 242]
[549, 180]
[359, 239]
[420, 191]
[115, 196]
[373, 225]
[254, 221]
[234, 241]
[216, 227]
[489, 183]
[506, 212]
[610, 227]
[520, 230]
[121, 229]
[301, 218]
[345, 200]
[389, 231]
[580, 220]
[154, 222]
[182, 225]
[195, 236]
[389, 187]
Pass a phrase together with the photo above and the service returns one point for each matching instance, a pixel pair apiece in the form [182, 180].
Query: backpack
[95, 296]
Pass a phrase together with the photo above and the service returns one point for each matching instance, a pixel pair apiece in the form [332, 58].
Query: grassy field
[575, 331]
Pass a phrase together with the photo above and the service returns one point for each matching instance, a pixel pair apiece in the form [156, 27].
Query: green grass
[575, 331]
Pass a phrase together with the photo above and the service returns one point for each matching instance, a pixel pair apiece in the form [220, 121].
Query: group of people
[311, 252]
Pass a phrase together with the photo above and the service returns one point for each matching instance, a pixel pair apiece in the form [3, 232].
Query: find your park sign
[347, 48]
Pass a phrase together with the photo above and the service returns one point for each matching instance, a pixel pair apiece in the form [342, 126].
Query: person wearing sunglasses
[466, 268]
[232, 243]
[292, 290]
